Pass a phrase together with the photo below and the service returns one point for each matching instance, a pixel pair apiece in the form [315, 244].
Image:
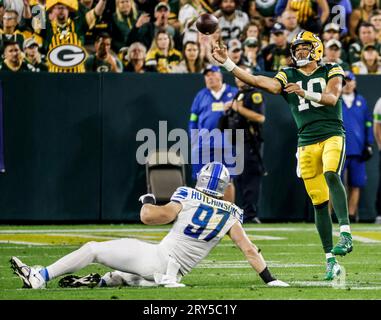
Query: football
[207, 23]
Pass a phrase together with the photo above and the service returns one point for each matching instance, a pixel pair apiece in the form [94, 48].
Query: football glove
[147, 198]
[367, 153]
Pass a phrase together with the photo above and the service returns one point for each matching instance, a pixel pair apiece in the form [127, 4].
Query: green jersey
[315, 121]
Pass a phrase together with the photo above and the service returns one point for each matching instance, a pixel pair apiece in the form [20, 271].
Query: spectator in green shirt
[103, 60]
[13, 59]
[9, 32]
[33, 56]
[123, 20]
[146, 33]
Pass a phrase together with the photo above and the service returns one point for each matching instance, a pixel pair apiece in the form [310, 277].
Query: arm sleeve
[180, 194]
[195, 111]
[377, 112]
[368, 125]
[281, 76]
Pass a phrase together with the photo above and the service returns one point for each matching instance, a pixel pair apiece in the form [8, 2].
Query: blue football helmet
[213, 179]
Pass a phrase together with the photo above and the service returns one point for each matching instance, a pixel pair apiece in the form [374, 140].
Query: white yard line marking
[311, 283]
[292, 265]
[78, 235]
[211, 264]
[359, 238]
[23, 242]
[47, 246]
[162, 229]
[82, 230]
[256, 237]
[365, 288]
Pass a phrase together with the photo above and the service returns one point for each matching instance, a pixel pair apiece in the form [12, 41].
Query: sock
[323, 224]
[102, 283]
[345, 228]
[339, 197]
[45, 274]
[266, 276]
[329, 256]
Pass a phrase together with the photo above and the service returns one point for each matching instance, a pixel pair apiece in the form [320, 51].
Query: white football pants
[126, 255]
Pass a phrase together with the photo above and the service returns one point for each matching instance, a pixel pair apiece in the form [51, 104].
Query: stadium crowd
[152, 36]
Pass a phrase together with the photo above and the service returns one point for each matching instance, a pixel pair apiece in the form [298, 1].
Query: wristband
[312, 96]
[229, 64]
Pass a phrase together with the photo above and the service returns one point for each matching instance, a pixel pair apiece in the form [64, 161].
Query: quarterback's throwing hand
[294, 88]
[147, 198]
[219, 52]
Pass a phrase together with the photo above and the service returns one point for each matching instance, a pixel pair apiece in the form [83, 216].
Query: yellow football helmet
[316, 52]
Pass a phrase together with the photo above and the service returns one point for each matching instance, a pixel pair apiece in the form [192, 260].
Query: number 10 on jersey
[305, 104]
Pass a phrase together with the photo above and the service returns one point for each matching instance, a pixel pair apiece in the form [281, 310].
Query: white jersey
[199, 227]
[233, 29]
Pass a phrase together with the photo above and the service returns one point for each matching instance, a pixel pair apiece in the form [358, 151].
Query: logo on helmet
[315, 52]
[213, 179]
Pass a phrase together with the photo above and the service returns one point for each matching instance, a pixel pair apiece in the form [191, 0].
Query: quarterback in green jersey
[312, 90]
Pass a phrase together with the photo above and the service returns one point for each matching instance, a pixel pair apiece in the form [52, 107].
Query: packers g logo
[66, 56]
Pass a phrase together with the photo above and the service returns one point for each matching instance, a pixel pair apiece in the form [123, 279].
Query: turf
[292, 251]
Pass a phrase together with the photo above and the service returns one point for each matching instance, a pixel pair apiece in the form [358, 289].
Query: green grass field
[292, 250]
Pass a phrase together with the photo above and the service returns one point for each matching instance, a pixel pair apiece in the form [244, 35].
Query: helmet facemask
[304, 61]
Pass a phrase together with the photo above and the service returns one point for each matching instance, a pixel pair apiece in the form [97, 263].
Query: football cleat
[73, 281]
[277, 283]
[344, 246]
[333, 269]
[30, 276]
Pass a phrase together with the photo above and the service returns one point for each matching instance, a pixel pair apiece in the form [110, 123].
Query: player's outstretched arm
[152, 214]
[253, 255]
[268, 84]
[240, 238]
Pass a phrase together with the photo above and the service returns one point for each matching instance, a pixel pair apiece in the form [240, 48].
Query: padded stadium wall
[70, 144]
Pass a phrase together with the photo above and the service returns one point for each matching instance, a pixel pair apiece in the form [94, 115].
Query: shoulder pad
[180, 194]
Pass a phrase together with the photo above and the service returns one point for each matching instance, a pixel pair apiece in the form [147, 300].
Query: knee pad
[317, 189]
[307, 166]
[91, 246]
[318, 197]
